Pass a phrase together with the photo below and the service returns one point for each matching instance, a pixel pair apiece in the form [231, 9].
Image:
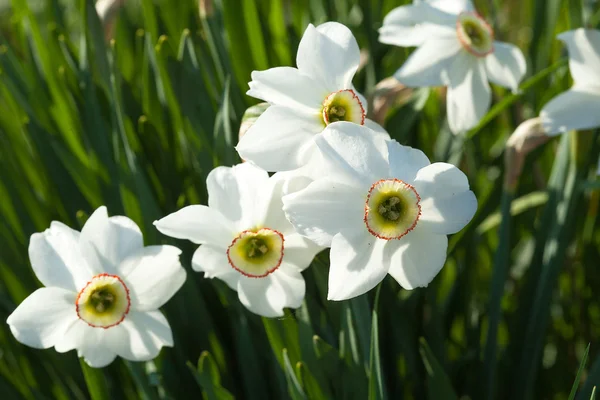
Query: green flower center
[474, 34]
[390, 208]
[256, 248]
[102, 300]
[343, 105]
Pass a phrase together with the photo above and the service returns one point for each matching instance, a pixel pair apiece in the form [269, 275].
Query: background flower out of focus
[138, 123]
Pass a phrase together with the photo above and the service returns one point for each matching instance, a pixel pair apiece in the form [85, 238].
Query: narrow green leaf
[439, 386]
[376, 385]
[95, 381]
[579, 371]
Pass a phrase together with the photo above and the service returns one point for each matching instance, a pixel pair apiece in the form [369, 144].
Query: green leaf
[579, 371]
[439, 386]
[208, 377]
[376, 385]
[95, 381]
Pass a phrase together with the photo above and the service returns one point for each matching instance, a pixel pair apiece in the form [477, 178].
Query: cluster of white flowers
[340, 182]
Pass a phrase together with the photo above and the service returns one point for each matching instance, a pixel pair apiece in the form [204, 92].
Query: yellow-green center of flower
[392, 209]
[103, 302]
[256, 253]
[343, 105]
[475, 34]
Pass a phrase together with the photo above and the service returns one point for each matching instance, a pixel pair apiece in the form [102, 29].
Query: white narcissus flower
[579, 107]
[456, 48]
[382, 208]
[305, 100]
[245, 238]
[103, 291]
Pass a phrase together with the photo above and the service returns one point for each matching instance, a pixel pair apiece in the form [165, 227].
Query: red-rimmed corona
[475, 34]
[392, 209]
[343, 105]
[256, 253]
[104, 302]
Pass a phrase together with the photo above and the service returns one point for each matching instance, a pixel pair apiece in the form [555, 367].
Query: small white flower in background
[103, 290]
[305, 100]
[579, 107]
[456, 48]
[245, 238]
[382, 208]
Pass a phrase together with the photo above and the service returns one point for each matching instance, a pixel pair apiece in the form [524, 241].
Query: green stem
[95, 381]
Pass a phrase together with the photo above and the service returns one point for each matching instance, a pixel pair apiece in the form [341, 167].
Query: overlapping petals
[456, 48]
[303, 100]
[332, 211]
[246, 203]
[73, 266]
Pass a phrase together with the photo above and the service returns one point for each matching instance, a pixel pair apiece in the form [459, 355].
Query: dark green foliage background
[138, 124]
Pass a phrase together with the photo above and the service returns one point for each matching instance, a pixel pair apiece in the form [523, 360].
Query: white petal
[281, 139]
[213, 262]
[452, 6]
[269, 206]
[359, 261]
[252, 182]
[287, 86]
[223, 193]
[43, 317]
[429, 64]
[329, 54]
[269, 295]
[105, 242]
[353, 154]
[469, 94]
[154, 275]
[299, 252]
[506, 66]
[575, 109]
[447, 204]
[199, 224]
[140, 336]
[378, 130]
[405, 161]
[419, 259]
[74, 336]
[412, 25]
[94, 349]
[325, 208]
[584, 55]
[56, 259]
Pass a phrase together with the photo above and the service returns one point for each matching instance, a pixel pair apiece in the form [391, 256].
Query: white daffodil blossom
[382, 208]
[305, 100]
[579, 107]
[102, 291]
[456, 48]
[245, 238]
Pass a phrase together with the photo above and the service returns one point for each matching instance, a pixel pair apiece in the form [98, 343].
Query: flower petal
[153, 275]
[419, 258]
[353, 153]
[429, 64]
[506, 66]
[94, 349]
[378, 130]
[213, 262]
[287, 86]
[281, 139]
[329, 54]
[325, 208]
[299, 251]
[223, 193]
[452, 6]
[56, 259]
[43, 317]
[269, 295]
[140, 336]
[469, 94]
[575, 109]
[447, 204]
[412, 25]
[252, 182]
[105, 242]
[584, 55]
[199, 224]
[405, 161]
[359, 261]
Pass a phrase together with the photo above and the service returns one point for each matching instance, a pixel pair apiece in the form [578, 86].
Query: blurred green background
[137, 125]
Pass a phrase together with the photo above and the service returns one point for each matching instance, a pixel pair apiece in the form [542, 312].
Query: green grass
[138, 124]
